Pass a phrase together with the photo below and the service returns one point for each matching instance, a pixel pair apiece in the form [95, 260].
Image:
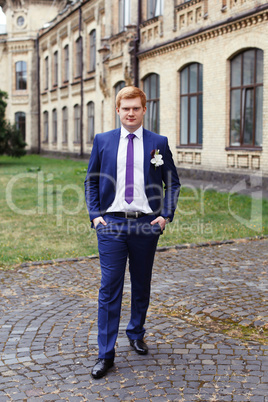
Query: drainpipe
[136, 48]
[81, 85]
[38, 98]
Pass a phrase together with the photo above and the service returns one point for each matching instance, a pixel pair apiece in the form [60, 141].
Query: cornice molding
[187, 4]
[206, 34]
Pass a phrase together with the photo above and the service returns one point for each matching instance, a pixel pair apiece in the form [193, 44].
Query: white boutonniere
[157, 158]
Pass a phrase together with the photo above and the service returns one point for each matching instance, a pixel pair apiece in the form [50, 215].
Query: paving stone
[48, 330]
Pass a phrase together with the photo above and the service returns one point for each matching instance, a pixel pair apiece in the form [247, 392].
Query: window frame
[21, 75]
[55, 126]
[21, 124]
[77, 133]
[66, 63]
[78, 50]
[46, 73]
[92, 50]
[244, 90]
[188, 95]
[90, 121]
[56, 66]
[117, 88]
[152, 103]
[65, 125]
[46, 126]
[124, 9]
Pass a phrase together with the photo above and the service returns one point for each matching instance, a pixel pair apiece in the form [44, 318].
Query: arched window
[66, 63]
[20, 121]
[21, 75]
[191, 105]
[92, 50]
[152, 90]
[117, 87]
[77, 123]
[246, 94]
[90, 122]
[46, 73]
[55, 125]
[64, 125]
[45, 122]
[56, 68]
[78, 57]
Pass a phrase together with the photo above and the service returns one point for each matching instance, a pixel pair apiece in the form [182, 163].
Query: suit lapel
[148, 147]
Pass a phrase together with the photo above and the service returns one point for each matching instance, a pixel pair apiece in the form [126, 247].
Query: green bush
[11, 141]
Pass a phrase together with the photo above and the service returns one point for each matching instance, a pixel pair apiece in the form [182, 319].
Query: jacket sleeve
[92, 180]
[171, 184]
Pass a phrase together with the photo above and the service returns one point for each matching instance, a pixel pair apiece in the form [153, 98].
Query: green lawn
[43, 214]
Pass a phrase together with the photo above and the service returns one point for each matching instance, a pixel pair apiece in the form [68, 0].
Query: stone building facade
[202, 63]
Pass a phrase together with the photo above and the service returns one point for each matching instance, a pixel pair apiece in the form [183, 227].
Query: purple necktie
[129, 189]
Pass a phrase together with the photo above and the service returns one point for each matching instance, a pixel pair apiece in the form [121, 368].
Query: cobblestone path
[207, 330]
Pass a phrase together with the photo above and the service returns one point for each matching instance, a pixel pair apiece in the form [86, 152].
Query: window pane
[200, 83]
[90, 122]
[146, 86]
[66, 75]
[127, 12]
[46, 61]
[158, 8]
[259, 73]
[147, 117]
[193, 120]
[154, 119]
[184, 120]
[258, 115]
[193, 78]
[235, 117]
[65, 125]
[153, 88]
[78, 56]
[117, 88]
[184, 81]
[248, 67]
[92, 51]
[248, 121]
[200, 119]
[150, 8]
[121, 15]
[236, 71]
[20, 120]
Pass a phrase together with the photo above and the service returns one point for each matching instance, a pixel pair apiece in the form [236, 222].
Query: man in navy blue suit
[129, 209]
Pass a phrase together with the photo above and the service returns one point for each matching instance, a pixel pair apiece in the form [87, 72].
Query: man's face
[131, 113]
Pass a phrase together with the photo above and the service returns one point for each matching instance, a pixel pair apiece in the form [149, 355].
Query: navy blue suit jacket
[100, 182]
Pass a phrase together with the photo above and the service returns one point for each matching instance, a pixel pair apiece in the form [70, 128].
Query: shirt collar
[125, 132]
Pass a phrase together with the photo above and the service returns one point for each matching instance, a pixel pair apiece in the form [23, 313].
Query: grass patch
[43, 213]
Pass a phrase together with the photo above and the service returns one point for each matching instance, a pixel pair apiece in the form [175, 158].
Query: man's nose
[131, 111]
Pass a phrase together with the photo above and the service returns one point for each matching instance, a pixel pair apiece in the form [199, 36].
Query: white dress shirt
[140, 202]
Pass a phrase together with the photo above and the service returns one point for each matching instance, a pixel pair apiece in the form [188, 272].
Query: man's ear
[117, 110]
[144, 110]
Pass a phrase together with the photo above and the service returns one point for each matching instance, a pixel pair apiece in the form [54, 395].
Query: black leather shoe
[139, 346]
[101, 367]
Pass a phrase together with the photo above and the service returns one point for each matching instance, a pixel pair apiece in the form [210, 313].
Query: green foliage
[11, 141]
